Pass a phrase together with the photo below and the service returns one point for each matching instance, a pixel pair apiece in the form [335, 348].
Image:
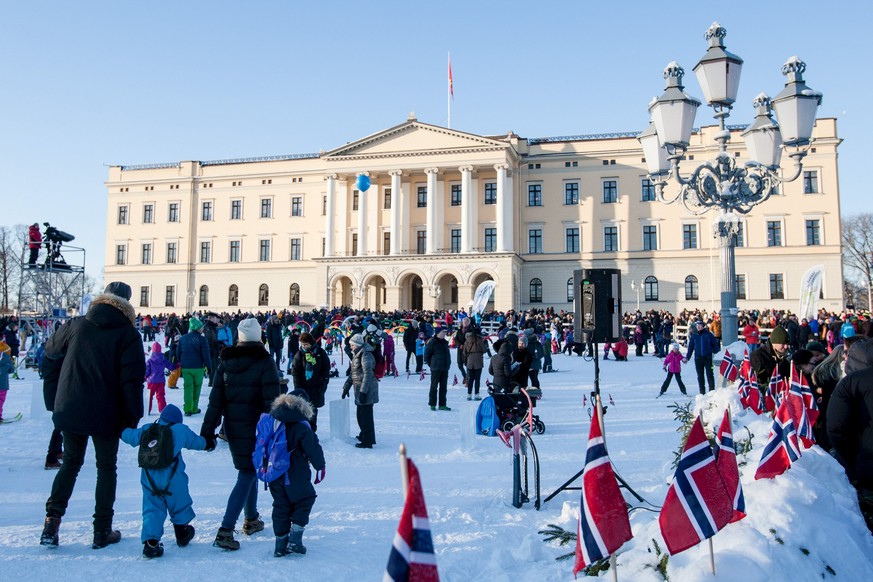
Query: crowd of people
[279, 364]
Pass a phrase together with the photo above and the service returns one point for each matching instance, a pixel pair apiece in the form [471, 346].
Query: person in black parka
[293, 499]
[438, 358]
[245, 386]
[93, 372]
[310, 370]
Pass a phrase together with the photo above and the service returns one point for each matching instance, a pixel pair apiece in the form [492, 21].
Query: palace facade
[447, 210]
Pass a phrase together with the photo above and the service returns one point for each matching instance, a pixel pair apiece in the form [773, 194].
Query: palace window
[206, 211]
[170, 296]
[610, 238]
[148, 213]
[535, 241]
[123, 214]
[776, 290]
[204, 296]
[147, 253]
[534, 194]
[571, 193]
[610, 191]
[648, 190]
[233, 296]
[296, 249]
[813, 232]
[490, 240]
[650, 237]
[234, 254]
[650, 288]
[774, 233]
[173, 212]
[536, 291]
[236, 209]
[490, 193]
[263, 295]
[456, 195]
[171, 253]
[571, 237]
[691, 289]
[810, 182]
[689, 236]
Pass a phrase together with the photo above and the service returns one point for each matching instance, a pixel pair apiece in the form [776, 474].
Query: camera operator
[34, 243]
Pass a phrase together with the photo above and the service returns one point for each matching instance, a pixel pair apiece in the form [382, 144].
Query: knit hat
[801, 357]
[119, 289]
[156, 347]
[194, 324]
[439, 330]
[306, 338]
[171, 413]
[816, 347]
[357, 340]
[848, 332]
[371, 328]
[674, 346]
[249, 330]
[778, 336]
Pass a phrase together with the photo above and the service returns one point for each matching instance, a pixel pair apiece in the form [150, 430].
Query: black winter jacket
[850, 425]
[437, 355]
[93, 370]
[245, 385]
[316, 386]
[500, 367]
[302, 442]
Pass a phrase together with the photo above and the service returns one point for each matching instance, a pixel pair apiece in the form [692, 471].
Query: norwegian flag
[421, 378]
[603, 523]
[412, 557]
[455, 380]
[802, 407]
[726, 461]
[698, 503]
[776, 389]
[728, 369]
[750, 394]
[746, 366]
[782, 447]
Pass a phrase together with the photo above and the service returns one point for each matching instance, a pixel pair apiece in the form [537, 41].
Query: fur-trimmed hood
[291, 408]
[100, 315]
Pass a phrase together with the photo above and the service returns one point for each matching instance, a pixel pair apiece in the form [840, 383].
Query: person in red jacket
[750, 335]
[35, 242]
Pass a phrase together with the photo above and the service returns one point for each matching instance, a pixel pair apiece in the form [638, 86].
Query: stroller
[513, 407]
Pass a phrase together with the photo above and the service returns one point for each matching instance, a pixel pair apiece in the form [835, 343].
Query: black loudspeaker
[597, 294]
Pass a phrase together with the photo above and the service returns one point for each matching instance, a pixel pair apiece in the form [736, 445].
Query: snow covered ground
[804, 525]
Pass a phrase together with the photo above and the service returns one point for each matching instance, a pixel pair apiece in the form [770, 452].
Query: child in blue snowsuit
[178, 503]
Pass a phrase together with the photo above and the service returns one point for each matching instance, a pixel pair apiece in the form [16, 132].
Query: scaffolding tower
[50, 291]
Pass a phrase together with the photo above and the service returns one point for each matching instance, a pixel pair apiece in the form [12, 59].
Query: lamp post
[635, 287]
[720, 183]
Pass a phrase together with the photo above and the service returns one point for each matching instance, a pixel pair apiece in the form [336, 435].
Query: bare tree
[12, 243]
[858, 250]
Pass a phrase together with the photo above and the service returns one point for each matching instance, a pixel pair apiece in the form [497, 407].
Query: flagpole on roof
[450, 93]
[404, 470]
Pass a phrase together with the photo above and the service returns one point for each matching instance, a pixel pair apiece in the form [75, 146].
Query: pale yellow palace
[447, 210]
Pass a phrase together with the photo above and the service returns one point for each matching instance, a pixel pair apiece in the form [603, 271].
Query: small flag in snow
[603, 524]
[412, 557]
[698, 504]
[726, 461]
[728, 369]
[782, 447]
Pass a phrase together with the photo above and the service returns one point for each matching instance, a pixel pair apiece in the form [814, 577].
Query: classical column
[432, 202]
[362, 222]
[502, 240]
[343, 216]
[396, 205]
[330, 216]
[467, 202]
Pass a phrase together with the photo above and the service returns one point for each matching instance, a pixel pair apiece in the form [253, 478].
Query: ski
[12, 419]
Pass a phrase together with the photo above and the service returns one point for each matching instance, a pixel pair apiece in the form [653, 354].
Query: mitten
[319, 475]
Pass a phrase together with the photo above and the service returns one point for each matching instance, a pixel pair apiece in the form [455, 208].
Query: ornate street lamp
[720, 183]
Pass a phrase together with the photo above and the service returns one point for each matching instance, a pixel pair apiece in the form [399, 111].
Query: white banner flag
[483, 294]
[810, 289]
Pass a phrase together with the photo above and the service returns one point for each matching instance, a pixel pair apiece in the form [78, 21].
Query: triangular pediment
[415, 138]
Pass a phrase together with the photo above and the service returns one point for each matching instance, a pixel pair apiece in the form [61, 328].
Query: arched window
[233, 296]
[536, 291]
[294, 296]
[571, 294]
[204, 296]
[263, 295]
[691, 290]
[651, 288]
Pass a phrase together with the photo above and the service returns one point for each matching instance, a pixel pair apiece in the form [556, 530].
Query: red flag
[451, 81]
[782, 448]
[728, 369]
[726, 460]
[698, 504]
[412, 557]
[603, 524]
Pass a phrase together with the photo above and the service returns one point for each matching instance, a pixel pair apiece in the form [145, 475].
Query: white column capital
[432, 171]
[331, 176]
[504, 167]
[466, 169]
[395, 173]
[365, 173]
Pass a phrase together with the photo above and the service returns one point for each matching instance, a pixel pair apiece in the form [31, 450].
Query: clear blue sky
[89, 84]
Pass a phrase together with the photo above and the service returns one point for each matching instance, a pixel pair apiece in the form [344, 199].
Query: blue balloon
[363, 183]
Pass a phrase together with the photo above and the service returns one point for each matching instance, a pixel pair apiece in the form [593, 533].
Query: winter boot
[184, 534]
[152, 549]
[49, 535]
[254, 525]
[225, 541]
[295, 540]
[106, 537]
[281, 546]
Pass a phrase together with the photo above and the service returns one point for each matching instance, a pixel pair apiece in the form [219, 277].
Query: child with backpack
[163, 479]
[285, 448]
[155, 382]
